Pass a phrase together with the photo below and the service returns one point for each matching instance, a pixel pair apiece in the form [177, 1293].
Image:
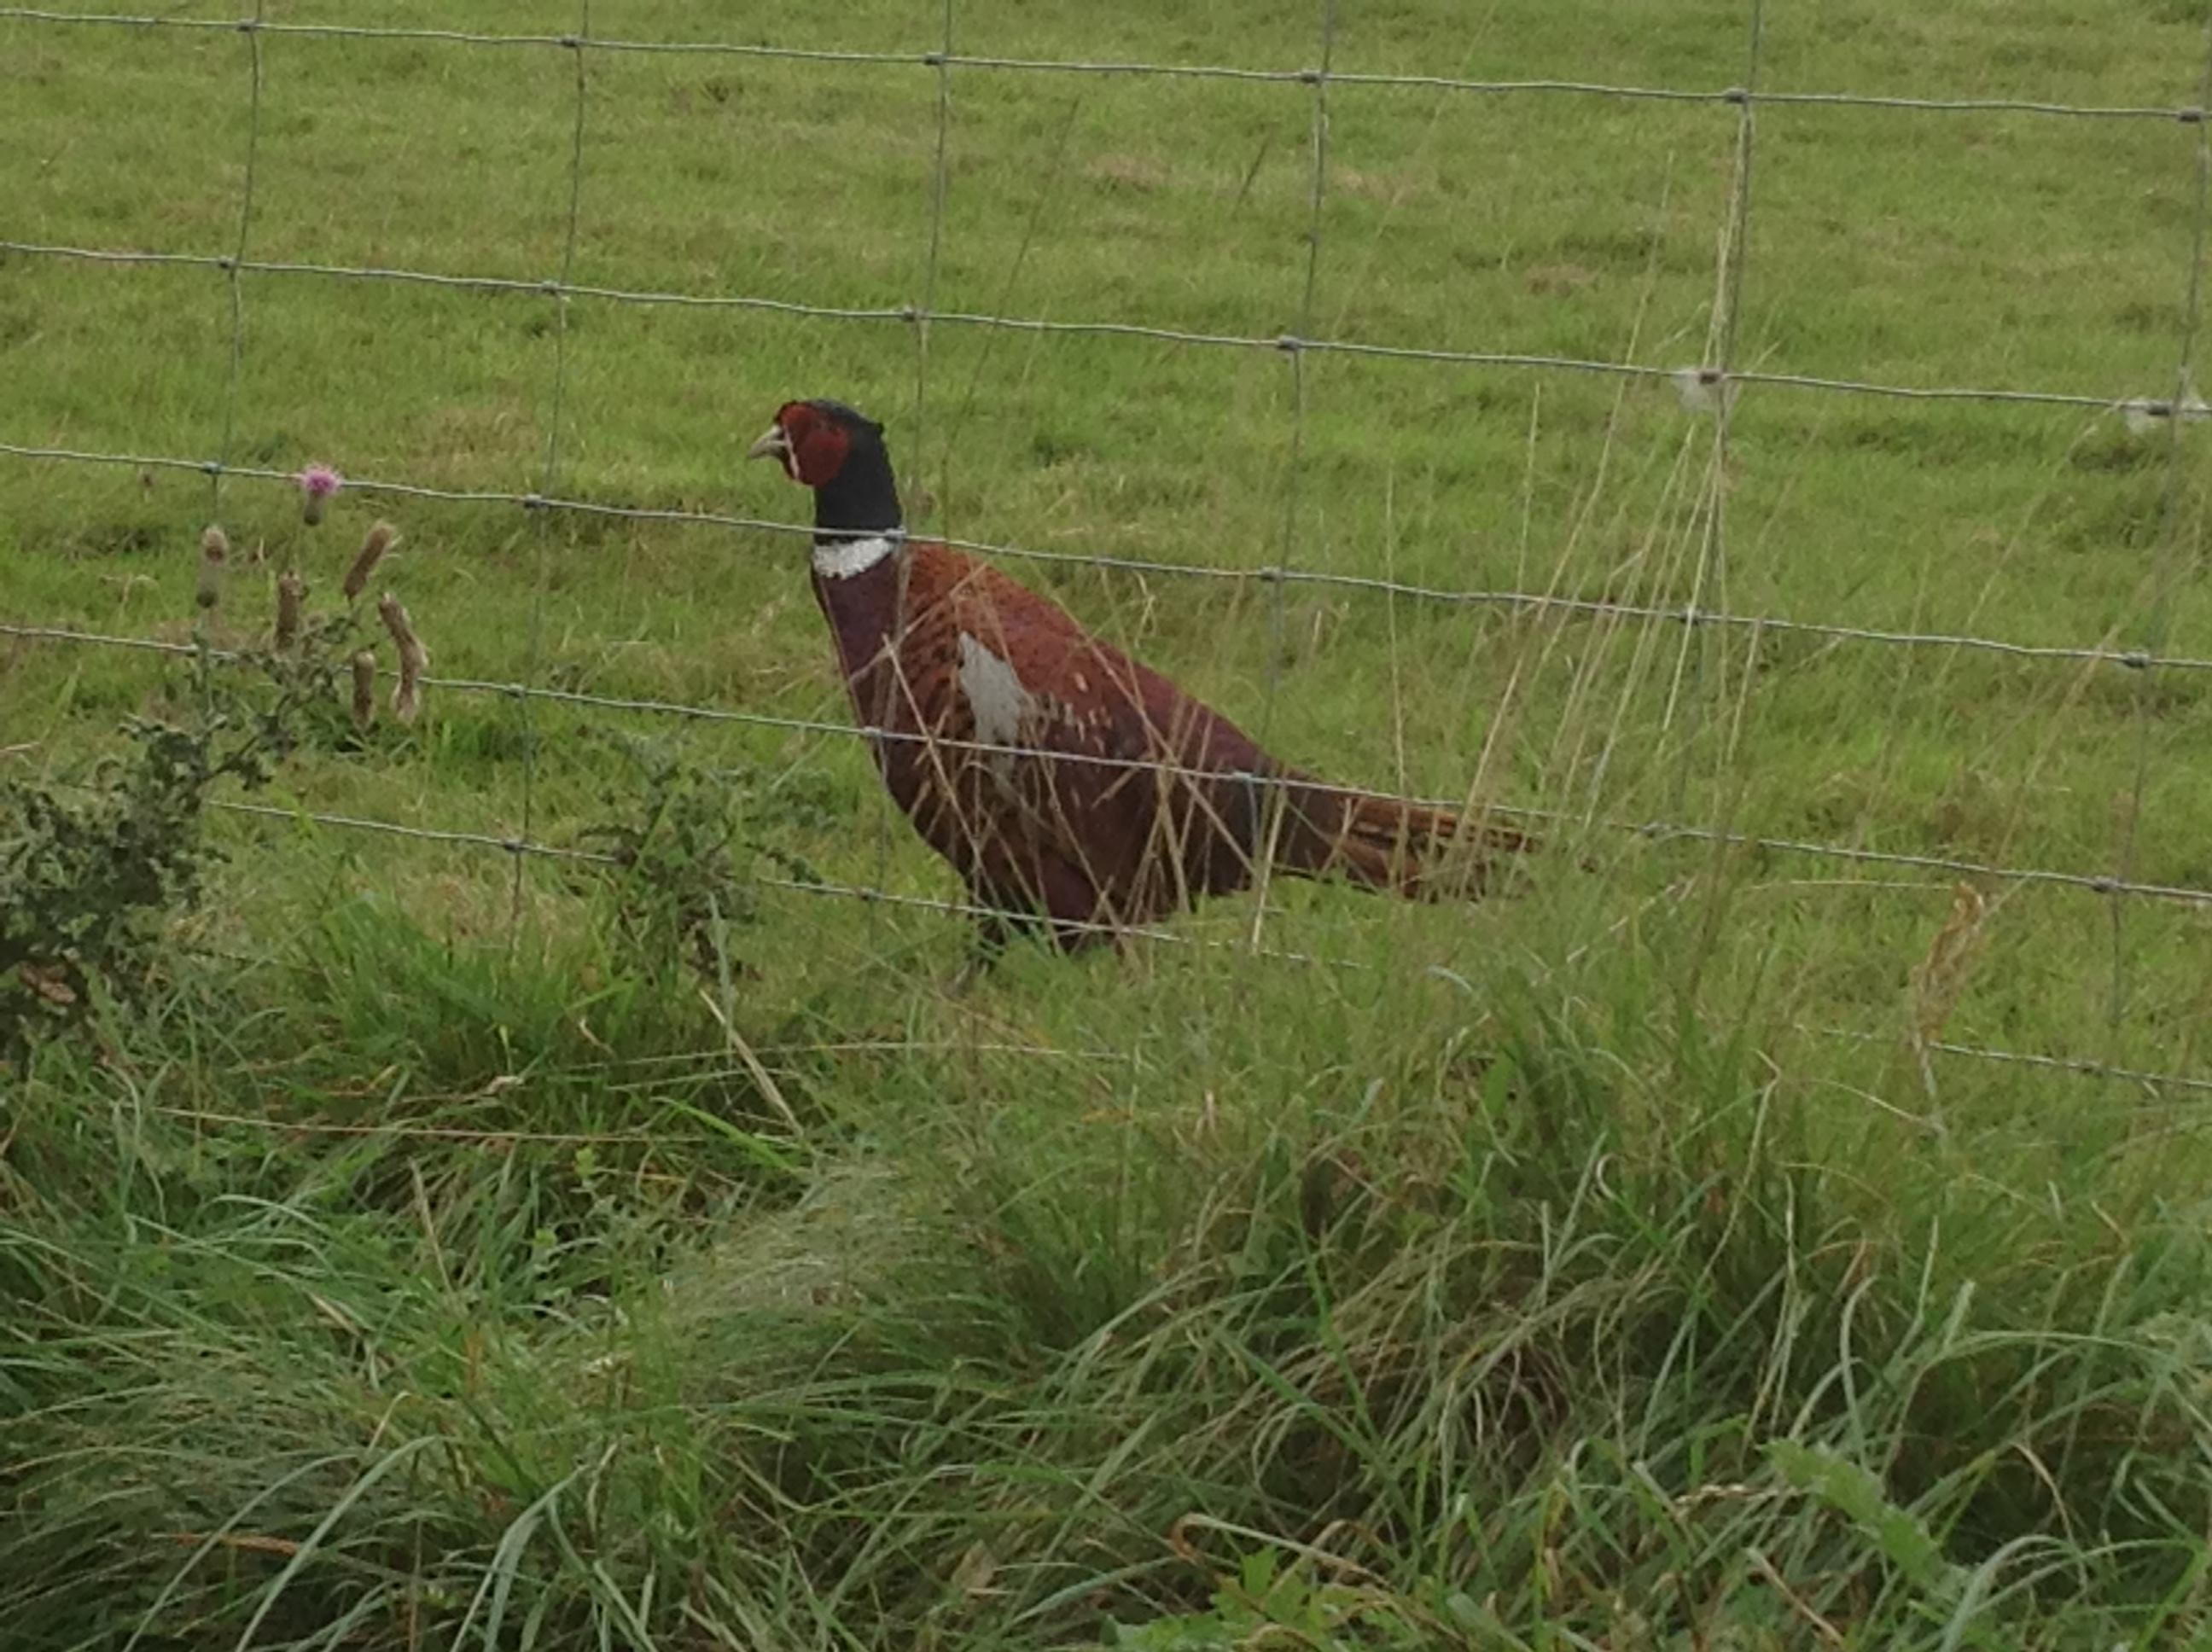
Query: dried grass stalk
[414, 659]
[1940, 976]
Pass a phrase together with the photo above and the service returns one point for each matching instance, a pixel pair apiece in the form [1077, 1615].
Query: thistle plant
[291, 602]
[364, 690]
[414, 659]
[215, 551]
[95, 866]
[381, 537]
[324, 645]
[319, 483]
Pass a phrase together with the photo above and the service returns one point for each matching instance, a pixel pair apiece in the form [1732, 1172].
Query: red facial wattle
[818, 446]
[810, 447]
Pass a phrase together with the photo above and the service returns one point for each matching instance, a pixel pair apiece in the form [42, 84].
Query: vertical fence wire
[1270, 824]
[1739, 191]
[894, 679]
[2170, 557]
[1712, 571]
[233, 265]
[525, 704]
[939, 178]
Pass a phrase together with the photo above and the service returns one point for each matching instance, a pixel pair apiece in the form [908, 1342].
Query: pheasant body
[1062, 780]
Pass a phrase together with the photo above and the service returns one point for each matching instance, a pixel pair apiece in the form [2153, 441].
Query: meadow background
[450, 1250]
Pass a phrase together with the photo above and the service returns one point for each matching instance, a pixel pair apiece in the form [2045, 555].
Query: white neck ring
[840, 559]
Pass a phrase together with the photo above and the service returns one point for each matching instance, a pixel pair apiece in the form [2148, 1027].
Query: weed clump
[685, 847]
[91, 874]
[95, 866]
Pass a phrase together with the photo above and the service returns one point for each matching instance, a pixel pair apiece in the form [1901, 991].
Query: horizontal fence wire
[2072, 1065]
[934, 60]
[525, 847]
[1707, 380]
[386, 1129]
[2076, 1066]
[2097, 884]
[1518, 601]
[972, 909]
[515, 846]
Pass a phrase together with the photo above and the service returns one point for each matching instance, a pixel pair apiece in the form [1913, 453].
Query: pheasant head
[839, 452]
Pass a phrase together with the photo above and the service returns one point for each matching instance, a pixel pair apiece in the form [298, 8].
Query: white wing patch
[840, 559]
[1001, 705]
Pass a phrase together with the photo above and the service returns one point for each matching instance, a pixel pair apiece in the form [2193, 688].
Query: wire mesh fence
[1707, 387]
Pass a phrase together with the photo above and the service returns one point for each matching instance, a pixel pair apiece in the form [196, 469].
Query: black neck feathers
[862, 498]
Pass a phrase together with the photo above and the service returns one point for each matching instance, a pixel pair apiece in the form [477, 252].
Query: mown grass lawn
[444, 1254]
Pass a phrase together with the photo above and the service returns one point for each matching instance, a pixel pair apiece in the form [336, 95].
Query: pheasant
[1071, 788]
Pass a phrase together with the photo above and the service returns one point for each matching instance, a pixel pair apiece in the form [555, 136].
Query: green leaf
[1855, 1492]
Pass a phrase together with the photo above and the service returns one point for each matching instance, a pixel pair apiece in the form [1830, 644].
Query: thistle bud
[381, 537]
[215, 547]
[364, 690]
[414, 659]
[317, 483]
[291, 598]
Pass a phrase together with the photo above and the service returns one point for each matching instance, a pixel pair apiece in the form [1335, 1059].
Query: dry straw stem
[364, 690]
[1939, 977]
[215, 549]
[414, 659]
[381, 537]
[291, 601]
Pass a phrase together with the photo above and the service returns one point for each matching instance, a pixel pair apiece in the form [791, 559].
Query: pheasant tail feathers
[1385, 843]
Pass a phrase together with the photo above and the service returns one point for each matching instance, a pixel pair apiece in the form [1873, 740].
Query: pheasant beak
[774, 444]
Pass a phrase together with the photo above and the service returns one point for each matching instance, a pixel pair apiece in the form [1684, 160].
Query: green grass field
[440, 1255]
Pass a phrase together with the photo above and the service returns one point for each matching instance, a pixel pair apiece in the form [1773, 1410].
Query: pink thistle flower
[318, 482]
